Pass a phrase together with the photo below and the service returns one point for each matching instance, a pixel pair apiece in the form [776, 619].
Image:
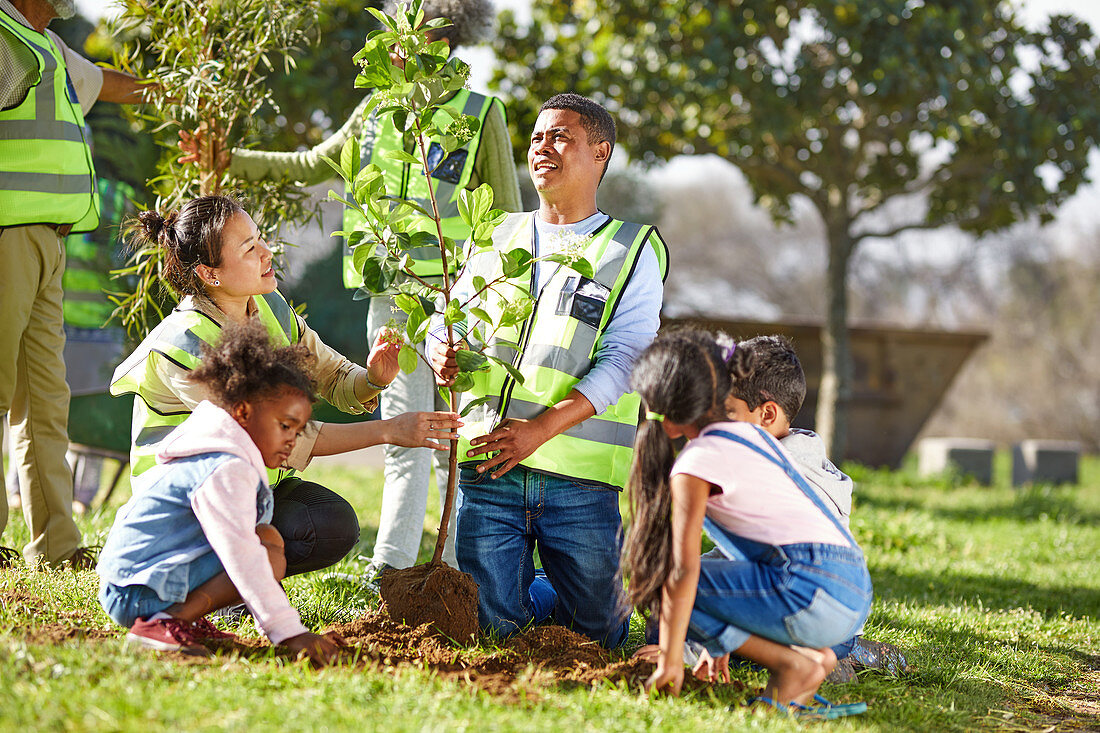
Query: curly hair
[471, 20]
[186, 238]
[244, 366]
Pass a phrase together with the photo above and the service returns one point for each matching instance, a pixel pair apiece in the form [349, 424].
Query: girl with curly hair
[196, 534]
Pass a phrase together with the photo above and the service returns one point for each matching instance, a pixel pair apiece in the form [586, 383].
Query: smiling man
[542, 462]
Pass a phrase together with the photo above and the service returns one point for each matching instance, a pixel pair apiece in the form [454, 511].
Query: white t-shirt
[757, 500]
[87, 78]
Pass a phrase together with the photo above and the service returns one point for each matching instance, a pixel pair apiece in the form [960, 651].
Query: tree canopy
[849, 103]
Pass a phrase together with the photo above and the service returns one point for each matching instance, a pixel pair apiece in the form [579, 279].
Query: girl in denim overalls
[791, 582]
[195, 536]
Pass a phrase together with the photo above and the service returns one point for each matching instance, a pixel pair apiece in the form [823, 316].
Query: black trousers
[318, 525]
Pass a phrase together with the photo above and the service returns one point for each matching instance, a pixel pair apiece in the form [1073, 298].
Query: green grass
[993, 593]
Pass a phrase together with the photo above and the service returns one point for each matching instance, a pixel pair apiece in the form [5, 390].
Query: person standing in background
[47, 191]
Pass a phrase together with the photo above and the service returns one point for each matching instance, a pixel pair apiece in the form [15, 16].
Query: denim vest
[157, 536]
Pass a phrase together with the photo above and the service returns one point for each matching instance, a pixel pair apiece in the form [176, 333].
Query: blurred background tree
[854, 106]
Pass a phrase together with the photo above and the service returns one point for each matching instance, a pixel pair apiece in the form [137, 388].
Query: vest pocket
[584, 300]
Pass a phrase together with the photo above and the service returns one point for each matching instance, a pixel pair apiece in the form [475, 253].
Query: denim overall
[810, 594]
[157, 552]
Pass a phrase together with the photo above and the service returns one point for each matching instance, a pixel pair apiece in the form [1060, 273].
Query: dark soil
[435, 594]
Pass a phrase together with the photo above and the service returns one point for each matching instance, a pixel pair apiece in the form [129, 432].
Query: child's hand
[710, 669]
[321, 650]
[668, 678]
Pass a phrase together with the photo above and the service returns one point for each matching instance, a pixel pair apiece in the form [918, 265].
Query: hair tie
[727, 352]
[655, 416]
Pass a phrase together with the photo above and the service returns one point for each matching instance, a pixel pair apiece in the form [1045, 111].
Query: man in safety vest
[542, 462]
[47, 190]
[486, 158]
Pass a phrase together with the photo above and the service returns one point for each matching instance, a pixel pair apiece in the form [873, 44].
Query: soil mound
[434, 594]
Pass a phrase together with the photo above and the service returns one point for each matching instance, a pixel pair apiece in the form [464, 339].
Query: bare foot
[798, 675]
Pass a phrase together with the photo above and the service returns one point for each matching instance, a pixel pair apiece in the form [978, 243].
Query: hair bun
[152, 224]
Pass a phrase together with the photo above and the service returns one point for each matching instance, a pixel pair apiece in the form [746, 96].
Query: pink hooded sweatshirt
[225, 505]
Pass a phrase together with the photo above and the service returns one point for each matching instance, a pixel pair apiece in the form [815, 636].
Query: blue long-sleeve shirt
[630, 330]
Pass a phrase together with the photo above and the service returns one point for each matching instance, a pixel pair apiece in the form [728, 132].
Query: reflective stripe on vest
[451, 176]
[46, 171]
[179, 338]
[559, 342]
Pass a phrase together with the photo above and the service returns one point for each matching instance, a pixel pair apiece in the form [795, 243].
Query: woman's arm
[412, 430]
[306, 166]
[689, 503]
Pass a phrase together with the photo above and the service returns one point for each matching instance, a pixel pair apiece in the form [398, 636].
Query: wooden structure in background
[901, 375]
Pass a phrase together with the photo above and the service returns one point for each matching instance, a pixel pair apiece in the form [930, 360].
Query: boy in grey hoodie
[771, 398]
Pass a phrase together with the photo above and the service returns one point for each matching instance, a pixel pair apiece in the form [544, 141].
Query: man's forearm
[121, 88]
[572, 410]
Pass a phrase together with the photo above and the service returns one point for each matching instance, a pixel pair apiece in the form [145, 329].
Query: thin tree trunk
[835, 395]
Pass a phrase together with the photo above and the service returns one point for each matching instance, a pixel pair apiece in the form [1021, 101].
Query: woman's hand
[669, 677]
[382, 364]
[422, 429]
[320, 650]
[190, 145]
[648, 653]
[444, 363]
[710, 669]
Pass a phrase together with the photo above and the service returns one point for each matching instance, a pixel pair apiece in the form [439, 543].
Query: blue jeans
[127, 603]
[813, 595]
[578, 531]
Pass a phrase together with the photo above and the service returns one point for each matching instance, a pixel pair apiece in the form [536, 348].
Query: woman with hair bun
[215, 259]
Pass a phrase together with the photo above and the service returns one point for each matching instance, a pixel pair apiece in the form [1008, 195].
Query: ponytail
[681, 377]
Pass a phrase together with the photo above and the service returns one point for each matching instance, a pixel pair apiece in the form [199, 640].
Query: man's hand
[320, 650]
[513, 440]
[443, 361]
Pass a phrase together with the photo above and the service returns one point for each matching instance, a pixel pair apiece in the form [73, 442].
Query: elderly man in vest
[542, 462]
[487, 158]
[47, 190]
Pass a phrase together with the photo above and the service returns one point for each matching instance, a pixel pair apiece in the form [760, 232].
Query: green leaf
[412, 326]
[471, 361]
[406, 302]
[454, 313]
[516, 262]
[482, 314]
[401, 157]
[464, 382]
[512, 371]
[469, 406]
[349, 158]
[479, 284]
[407, 359]
[428, 304]
[423, 239]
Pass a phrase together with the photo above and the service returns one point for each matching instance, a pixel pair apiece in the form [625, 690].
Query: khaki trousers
[33, 390]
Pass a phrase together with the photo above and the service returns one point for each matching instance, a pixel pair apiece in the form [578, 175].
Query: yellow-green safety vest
[89, 258]
[558, 344]
[179, 338]
[451, 176]
[46, 170]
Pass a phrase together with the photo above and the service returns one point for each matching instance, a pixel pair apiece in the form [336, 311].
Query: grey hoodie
[832, 485]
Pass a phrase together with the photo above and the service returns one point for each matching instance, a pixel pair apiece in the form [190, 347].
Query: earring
[216, 283]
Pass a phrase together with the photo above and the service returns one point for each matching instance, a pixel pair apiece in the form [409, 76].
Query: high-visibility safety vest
[558, 344]
[179, 338]
[448, 179]
[89, 258]
[46, 170]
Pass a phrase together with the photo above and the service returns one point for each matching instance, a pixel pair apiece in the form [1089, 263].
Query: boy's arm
[225, 505]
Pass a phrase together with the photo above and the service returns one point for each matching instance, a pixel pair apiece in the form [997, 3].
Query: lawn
[993, 593]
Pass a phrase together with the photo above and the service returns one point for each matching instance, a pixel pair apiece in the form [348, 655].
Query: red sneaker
[205, 629]
[166, 635]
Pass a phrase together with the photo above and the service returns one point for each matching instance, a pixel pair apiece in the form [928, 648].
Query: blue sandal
[824, 711]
